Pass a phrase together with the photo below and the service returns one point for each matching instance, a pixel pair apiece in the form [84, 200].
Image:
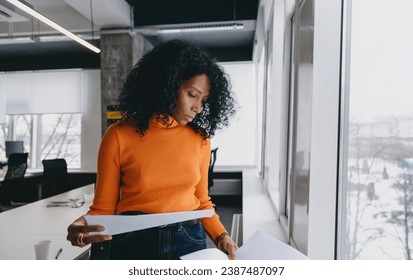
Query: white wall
[91, 119]
[237, 143]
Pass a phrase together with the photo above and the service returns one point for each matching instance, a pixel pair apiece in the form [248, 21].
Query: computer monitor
[14, 147]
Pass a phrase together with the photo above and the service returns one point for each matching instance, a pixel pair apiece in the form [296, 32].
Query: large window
[56, 113]
[45, 136]
[377, 220]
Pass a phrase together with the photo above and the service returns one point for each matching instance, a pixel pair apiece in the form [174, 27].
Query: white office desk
[21, 227]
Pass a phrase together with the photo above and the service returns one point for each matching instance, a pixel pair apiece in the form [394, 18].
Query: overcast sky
[381, 79]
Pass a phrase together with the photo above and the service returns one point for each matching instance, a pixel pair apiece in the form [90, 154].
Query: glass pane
[22, 131]
[378, 214]
[61, 138]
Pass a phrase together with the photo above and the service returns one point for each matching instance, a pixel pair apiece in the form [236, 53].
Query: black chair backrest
[16, 165]
[55, 177]
[51, 166]
[211, 167]
[11, 188]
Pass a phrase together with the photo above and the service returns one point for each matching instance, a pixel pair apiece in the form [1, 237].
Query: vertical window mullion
[34, 140]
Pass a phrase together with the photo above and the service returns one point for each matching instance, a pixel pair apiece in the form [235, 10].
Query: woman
[155, 160]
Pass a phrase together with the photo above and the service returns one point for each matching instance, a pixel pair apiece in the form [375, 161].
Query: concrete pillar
[119, 52]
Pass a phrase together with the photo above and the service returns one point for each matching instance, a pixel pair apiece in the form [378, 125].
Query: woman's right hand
[78, 233]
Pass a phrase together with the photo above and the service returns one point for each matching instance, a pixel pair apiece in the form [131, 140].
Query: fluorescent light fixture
[54, 25]
[201, 28]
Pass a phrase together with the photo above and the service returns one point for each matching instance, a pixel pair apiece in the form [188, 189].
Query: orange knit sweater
[166, 170]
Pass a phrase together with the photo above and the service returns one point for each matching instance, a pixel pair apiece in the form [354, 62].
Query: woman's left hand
[228, 246]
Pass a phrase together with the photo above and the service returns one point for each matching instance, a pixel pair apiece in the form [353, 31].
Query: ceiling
[27, 44]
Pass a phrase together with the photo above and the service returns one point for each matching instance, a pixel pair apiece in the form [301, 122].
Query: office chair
[13, 191]
[17, 165]
[55, 177]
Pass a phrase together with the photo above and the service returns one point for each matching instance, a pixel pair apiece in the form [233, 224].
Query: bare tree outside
[57, 136]
[361, 195]
[3, 137]
[380, 190]
[401, 217]
[61, 138]
[23, 127]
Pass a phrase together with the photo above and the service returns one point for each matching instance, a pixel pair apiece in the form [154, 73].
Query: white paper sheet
[206, 254]
[116, 224]
[260, 246]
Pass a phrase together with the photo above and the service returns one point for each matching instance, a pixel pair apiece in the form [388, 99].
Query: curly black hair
[151, 88]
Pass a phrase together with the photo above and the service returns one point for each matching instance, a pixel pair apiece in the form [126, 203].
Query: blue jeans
[160, 243]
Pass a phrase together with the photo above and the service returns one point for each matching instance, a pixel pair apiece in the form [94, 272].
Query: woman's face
[192, 95]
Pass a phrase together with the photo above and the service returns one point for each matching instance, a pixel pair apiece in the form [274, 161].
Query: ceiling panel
[155, 12]
[147, 16]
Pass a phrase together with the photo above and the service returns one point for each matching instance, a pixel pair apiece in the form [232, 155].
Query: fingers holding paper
[228, 246]
[79, 233]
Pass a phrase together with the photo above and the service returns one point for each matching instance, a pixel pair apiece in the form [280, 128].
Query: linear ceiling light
[202, 28]
[54, 25]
